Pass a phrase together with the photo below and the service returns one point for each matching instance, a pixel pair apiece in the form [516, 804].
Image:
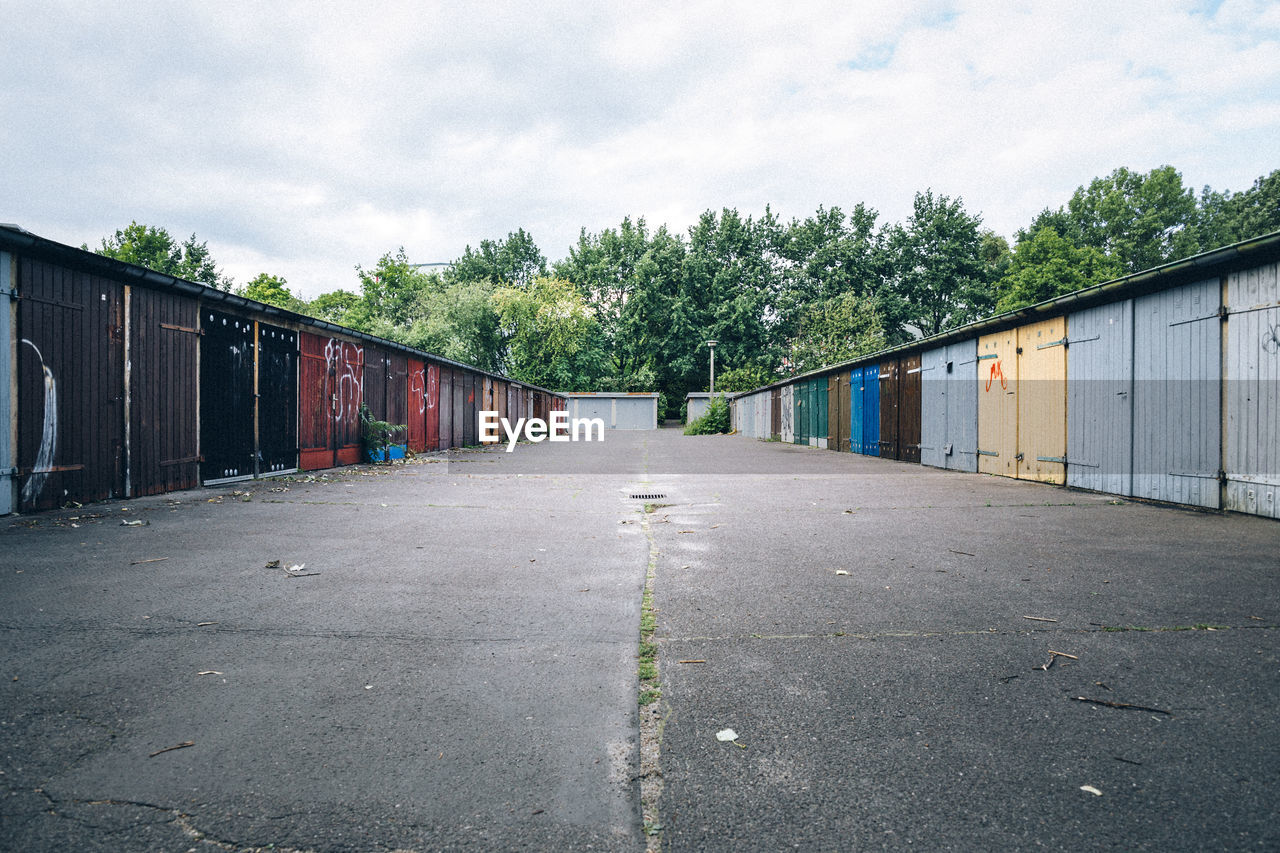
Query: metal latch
[1018, 457]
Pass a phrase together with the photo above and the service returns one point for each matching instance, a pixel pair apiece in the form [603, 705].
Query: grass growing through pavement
[650, 688]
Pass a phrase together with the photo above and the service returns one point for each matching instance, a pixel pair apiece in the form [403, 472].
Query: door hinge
[1060, 459]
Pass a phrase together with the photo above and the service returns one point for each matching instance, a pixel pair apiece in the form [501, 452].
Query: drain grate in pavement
[646, 497]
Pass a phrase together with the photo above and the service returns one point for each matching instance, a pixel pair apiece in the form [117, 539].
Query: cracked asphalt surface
[461, 671]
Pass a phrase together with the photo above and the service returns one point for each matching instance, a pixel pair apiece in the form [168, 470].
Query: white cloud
[302, 140]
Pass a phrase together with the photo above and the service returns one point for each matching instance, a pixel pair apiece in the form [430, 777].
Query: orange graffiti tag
[996, 371]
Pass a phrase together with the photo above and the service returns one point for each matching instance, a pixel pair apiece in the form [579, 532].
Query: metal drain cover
[646, 497]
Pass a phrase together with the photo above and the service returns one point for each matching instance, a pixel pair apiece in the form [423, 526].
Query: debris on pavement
[139, 523]
[1039, 619]
[1091, 790]
[1121, 705]
[841, 572]
[726, 735]
[149, 560]
[183, 745]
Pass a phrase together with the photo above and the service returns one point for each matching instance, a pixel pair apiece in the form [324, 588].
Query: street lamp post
[712, 344]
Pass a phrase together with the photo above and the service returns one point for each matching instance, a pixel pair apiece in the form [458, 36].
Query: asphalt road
[460, 671]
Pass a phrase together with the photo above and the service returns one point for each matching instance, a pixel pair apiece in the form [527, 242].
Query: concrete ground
[454, 667]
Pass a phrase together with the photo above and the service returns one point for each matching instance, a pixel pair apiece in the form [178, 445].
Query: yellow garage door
[1042, 401]
[998, 404]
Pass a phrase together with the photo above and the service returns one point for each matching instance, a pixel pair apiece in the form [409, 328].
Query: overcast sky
[302, 142]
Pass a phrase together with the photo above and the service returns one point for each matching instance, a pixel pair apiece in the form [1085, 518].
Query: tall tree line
[630, 308]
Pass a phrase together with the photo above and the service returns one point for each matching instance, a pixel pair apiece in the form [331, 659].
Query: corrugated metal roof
[17, 239]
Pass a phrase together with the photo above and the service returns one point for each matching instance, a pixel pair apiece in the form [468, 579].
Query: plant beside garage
[714, 421]
[379, 438]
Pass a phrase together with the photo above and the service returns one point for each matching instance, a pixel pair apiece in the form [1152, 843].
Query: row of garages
[1164, 385]
[116, 381]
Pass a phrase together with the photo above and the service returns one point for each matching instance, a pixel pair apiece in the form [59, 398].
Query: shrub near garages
[714, 421]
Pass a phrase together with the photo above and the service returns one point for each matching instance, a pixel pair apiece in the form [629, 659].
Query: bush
[714, 421]
[377, 436]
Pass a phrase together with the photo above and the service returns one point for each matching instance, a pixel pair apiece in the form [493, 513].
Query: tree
[273, 291]
[835, 330]
[724, 291]
[603, 267]
[1045, 265]
[743, 378]
[1132, 217]
[392, 289]
[459, 322]
[156, 249]
[333, 306]
[937, 276]
[552, 337]
[1223, 218]
[515, 261]
[822, 257]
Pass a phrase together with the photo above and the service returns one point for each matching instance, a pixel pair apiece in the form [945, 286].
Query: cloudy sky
[303, 139]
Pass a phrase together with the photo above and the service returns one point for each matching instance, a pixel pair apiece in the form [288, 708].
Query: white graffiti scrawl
[344, 361]
[48, 434]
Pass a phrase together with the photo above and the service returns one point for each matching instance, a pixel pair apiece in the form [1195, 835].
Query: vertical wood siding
[163, 390]
[1100, 399]
[1177, 407]
[1252, 372]
[70, 388]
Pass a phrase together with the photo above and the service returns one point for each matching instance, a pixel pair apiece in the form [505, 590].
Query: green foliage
[1046, 265]
[459, 322]
[743, 378]
[333, 306]
[631, 307]
[392, 289]
[155, 249]
[552, 337]
[714, 420]
[937, 276]
[375, 435]
[1223, 218]
[273, 291]
[1132, 217]
[513, 262]
[837, 329]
